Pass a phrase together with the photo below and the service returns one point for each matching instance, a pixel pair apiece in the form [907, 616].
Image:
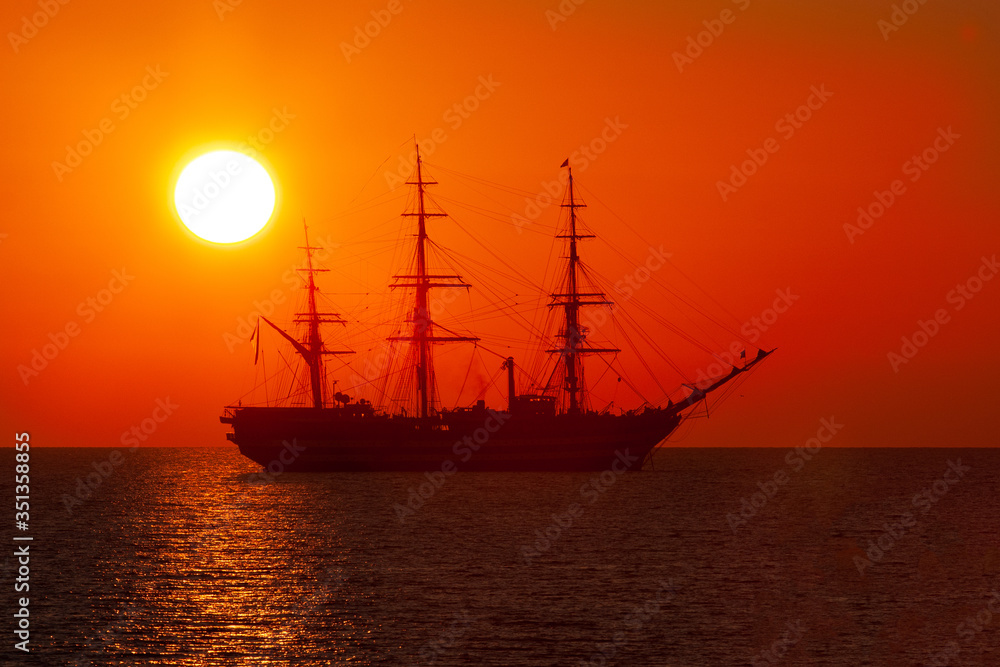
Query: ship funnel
[510, 384]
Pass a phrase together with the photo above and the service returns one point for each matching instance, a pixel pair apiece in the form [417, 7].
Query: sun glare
[224, 196]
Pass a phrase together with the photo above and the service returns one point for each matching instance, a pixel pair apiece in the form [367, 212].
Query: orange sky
[215, 73]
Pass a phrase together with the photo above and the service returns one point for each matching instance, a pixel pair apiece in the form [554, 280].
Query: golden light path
[224, 196]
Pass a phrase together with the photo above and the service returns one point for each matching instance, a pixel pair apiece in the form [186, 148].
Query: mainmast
[573, 333]
[422, 335]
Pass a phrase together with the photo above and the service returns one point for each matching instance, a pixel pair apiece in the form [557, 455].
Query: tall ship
[552, 426]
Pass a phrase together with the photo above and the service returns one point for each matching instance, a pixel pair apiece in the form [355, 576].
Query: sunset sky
[144, 87]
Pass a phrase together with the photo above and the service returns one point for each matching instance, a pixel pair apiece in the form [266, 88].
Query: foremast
[422, 333]
[573, 333]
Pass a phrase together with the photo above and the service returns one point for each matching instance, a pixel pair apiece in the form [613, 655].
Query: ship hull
[310, 440]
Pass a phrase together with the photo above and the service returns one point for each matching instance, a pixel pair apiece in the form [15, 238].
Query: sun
[224, 196]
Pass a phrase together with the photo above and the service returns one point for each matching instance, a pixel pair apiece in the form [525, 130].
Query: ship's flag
[255, 341]
[565, 163]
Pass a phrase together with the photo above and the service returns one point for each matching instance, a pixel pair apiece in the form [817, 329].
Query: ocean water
[190, 557]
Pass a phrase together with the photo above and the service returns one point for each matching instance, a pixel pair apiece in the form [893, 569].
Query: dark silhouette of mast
[423, 334]
[573, 333]
[312, 349]
[314, 343]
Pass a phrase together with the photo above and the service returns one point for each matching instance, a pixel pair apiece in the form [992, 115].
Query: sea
[187, 556]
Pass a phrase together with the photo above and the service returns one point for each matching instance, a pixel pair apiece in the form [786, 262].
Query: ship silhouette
[552, 428]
